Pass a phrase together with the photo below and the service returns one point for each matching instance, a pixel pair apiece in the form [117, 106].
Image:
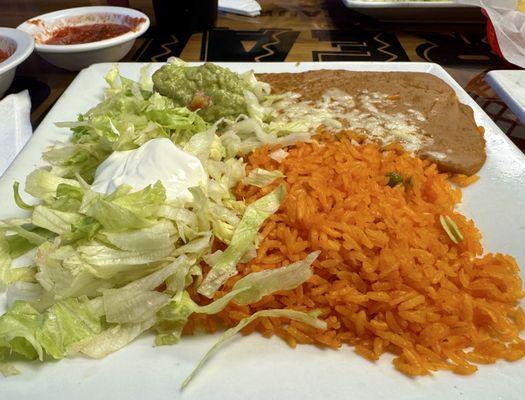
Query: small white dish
[19, 46]
[416, 10]
[510, 86]
[75, 57]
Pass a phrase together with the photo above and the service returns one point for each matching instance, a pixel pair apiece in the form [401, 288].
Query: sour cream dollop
[156, 160]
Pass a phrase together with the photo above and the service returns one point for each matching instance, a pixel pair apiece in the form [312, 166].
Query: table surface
[308, 30]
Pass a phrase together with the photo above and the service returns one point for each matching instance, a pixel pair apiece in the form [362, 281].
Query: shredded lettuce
[123, 210]
[29, 334]
[119, 249]
[260, 177]
[155, 236]
[250, 289]
[23, 230]
[5, 262]
[18, 199]
[65, 324]
[18, 330]
[290, 314]
[260, 89]
[43, 184]
[244, 235]
[99, 270]
[130, 115]
[56, 221]
[127, 306]
[279, 155]
[265, 282]
[138, 301]
[22, 290]
[112, 339]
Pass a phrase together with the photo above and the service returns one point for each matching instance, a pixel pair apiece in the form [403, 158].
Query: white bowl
[75, 57]
[19, 46]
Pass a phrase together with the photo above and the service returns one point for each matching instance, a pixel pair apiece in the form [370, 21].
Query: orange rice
[388, 279]
[464, 180]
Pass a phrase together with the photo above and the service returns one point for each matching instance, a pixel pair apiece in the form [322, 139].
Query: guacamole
[215, 91]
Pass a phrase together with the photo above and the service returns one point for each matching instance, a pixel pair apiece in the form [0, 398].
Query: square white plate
[409, 11]
[510, 86]
[253, 367]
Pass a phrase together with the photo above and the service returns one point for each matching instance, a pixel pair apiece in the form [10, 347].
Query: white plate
[253, 367]
[510, 86]
[409, 11]
[400, 4]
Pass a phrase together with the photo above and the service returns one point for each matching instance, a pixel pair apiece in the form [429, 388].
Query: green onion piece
[394, 179]
[451, 228]
[18, 200]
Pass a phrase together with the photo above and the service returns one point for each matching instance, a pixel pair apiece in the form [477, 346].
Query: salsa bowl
[55, 39]
[17, 46]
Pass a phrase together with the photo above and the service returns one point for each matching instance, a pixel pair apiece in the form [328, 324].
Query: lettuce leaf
[265, 282]
[244, 236]
[155, 236]
[16, 245]
[112, 339]
[84, 228]
[260, 177]
[106, 261]
[114, 217]
[18, 332]
[27, 333]
[65, 324]
[206, 145]
[59, 222]
[145, 202]
[138, 301]
[18, 199]
[290, 314]
[5, 262]
[24, 230]
[68, 198]
[20, 290]
[123, 210]
[172, 318]
[63, 274]
[43, 184]
[129, 306]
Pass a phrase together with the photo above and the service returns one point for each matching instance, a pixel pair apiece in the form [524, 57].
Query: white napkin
[242, 7]
[509, 24]
[15, 126]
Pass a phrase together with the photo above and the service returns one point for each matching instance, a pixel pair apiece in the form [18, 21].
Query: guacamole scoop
[212, 90]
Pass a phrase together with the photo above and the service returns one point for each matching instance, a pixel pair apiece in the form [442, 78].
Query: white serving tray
[510, 86]
[414, 11]
[253, 367]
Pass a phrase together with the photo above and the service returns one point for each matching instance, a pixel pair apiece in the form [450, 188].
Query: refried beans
[418, 103]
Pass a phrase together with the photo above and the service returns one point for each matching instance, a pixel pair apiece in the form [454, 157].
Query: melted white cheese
[366, 113]
[156, 160]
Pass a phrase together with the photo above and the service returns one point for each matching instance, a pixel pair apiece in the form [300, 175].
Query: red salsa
[4, 55]
[87, 33]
